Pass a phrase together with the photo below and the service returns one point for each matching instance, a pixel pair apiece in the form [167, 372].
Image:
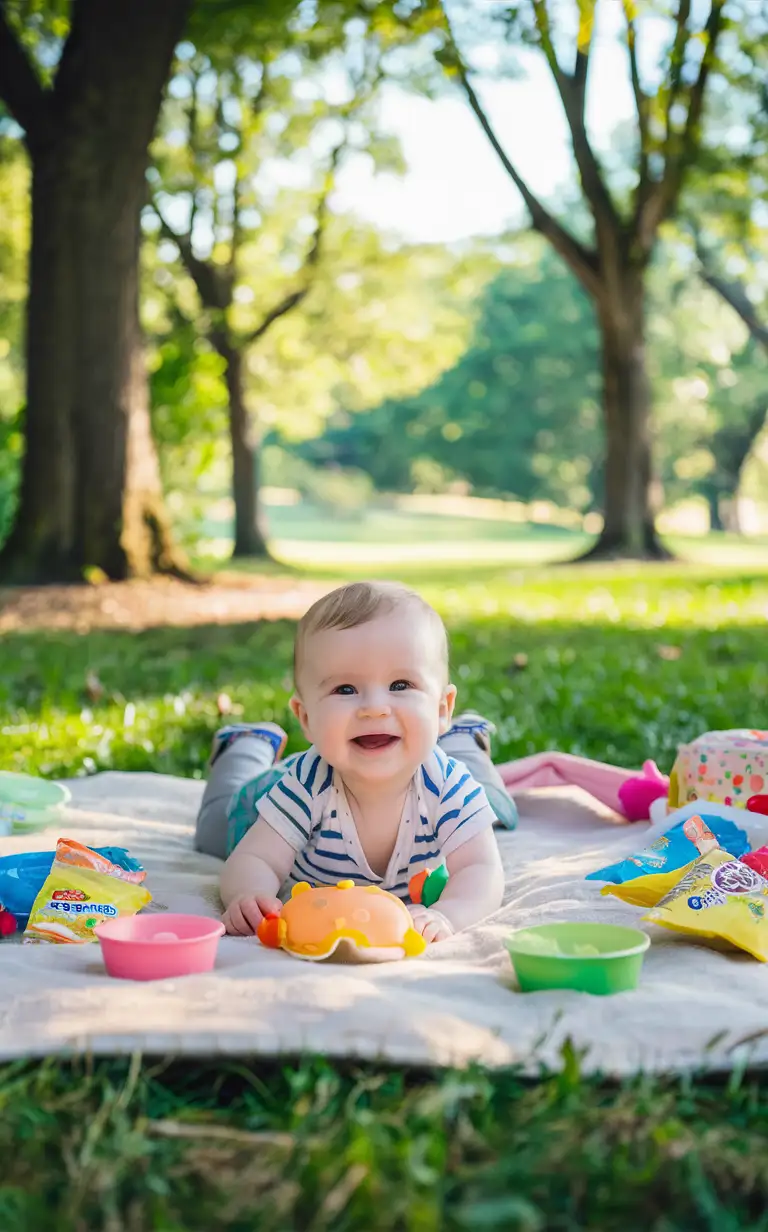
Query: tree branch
[583, 47]
[213, 284]
[735, 295]
[193, 145]
[544, 28]
[641, 98]
[312, 258]
[281, 309]
[692, 131]
[572, 91]
[20, 89]
[581, 260]
[676, 63]
[656, 202]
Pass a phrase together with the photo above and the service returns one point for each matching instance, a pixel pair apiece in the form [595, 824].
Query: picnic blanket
[696, 1007]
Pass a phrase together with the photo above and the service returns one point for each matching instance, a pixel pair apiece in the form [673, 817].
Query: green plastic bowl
[597, 958]
[28, 803]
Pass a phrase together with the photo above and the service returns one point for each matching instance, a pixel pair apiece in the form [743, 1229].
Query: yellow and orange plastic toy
[355, 923]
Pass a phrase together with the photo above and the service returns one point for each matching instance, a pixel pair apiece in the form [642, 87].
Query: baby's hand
[244, 915]
[432, 924]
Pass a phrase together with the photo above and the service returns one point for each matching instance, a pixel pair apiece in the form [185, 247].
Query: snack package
[644, 878]
[758, 860]
[718, 897]
[22, 875]
[82, 889]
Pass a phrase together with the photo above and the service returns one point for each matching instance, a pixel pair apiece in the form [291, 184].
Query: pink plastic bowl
[157, 947]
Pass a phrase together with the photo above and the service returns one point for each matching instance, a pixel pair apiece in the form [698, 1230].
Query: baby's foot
[271, 732]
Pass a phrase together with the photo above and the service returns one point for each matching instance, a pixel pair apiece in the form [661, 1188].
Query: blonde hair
[356, 604]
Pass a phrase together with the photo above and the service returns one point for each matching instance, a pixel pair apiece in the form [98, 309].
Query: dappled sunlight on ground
[144, 605]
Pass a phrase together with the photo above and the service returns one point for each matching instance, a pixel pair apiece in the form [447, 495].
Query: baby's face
[374, 699]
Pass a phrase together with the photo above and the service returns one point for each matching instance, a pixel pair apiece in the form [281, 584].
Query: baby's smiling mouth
[377, 740]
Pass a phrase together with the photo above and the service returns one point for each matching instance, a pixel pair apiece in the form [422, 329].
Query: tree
[234, 137]
[254, 107]
[90, 490]
[381, 321]
[612, 267]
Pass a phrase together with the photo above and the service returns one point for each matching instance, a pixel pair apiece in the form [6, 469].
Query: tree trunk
[629, 524]
[146, 539]
[250, 533]
[732, 447]
[732, 515]
[41, 543]
[715, 517]
[90, 492]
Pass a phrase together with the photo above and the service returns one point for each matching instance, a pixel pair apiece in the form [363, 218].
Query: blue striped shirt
[308, 807]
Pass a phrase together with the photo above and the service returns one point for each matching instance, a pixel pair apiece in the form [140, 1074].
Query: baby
[376, 797]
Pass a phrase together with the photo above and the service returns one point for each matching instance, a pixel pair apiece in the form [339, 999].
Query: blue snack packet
[22, 876]
[678, 847]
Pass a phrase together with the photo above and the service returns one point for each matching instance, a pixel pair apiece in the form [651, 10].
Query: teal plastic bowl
[597, 958]
[28, 803]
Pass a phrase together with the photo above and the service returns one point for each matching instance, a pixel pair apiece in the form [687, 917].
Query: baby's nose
[374, 704]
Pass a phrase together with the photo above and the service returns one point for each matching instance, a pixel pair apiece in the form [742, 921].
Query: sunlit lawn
[616, 663]
[311, 537]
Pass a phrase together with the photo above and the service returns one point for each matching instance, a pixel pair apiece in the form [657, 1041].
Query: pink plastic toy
[158, 947]
[638, 793]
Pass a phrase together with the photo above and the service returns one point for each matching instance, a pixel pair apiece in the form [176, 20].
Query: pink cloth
[567, 770]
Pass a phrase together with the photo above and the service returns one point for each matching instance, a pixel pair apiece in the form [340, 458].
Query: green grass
[308, 536]
[618, 664]
[314, 1148]
[596, 681]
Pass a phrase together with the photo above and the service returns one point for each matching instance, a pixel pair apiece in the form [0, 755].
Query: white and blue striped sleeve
[290, 807]
[462, 809]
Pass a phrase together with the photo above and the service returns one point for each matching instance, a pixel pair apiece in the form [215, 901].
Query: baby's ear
[298, 710]
[447, 703]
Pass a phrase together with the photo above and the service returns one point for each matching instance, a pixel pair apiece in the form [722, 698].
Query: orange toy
[349, 922]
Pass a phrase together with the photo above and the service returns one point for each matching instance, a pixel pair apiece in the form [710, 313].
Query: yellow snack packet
[649, 890]
[718, 896]
[79, 893]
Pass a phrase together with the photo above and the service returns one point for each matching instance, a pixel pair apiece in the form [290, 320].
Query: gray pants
[249, 757]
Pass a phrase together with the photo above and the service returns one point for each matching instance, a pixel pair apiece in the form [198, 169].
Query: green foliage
[518, 414]
[41, 27]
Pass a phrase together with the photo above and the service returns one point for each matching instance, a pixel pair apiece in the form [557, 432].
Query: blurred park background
[360, 281]
[469, 293]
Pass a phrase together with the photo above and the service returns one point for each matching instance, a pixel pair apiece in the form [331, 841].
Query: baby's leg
[469, 741]
[240, 753]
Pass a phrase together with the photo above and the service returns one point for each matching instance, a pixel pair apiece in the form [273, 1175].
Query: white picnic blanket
[696, 1007]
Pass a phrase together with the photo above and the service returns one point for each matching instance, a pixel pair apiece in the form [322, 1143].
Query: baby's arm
[476, 883]
[475, 888]
[252, 877]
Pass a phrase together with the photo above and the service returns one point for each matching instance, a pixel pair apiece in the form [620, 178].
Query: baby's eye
[397, 686]
[345, 690]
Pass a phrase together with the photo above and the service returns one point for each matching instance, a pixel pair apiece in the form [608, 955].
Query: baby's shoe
[472, 724]
[271, 732]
